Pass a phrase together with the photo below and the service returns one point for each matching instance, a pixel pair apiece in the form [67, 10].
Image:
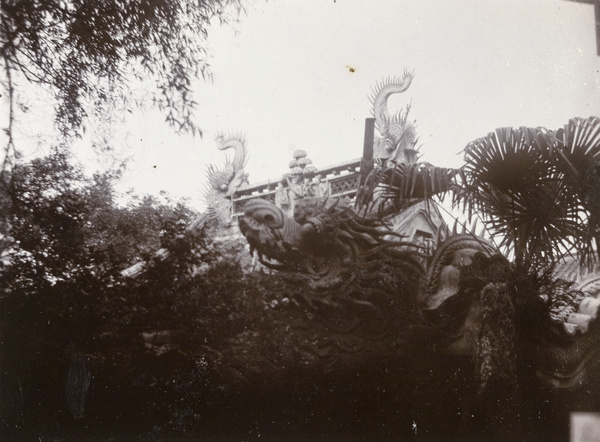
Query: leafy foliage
[59, 290]
[62, 295]
[86, 52]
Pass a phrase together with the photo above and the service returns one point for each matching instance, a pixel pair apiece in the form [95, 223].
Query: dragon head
[326, 243]
[275, 237]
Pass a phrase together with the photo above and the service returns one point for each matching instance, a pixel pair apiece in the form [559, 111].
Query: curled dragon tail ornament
[223, 182]
[237, 142]
[398, 134]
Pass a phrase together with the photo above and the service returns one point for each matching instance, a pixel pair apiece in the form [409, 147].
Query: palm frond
[392, 189]
[530, 186]
[577, 156]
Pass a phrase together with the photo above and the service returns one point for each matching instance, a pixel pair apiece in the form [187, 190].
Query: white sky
[283, 80]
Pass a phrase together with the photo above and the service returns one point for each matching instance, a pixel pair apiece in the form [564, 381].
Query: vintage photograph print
[300, 220]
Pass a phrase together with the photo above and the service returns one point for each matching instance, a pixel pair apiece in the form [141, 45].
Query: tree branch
[10, 146]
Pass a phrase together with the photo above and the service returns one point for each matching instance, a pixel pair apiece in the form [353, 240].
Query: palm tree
[539, 190]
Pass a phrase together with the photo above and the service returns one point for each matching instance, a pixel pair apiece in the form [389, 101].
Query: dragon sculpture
[224, 182]
[338, 260]
[369, 290]
[398, 135]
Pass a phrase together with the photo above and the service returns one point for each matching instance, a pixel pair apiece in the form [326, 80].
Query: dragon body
[344, 265]
[368, 288]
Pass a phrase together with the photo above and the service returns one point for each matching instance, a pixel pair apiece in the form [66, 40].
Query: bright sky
[282, 77]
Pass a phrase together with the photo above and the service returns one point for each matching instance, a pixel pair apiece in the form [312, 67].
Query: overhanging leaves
[83, 51]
